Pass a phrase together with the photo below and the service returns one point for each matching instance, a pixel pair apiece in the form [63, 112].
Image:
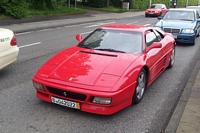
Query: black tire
[160, 14]
[172, 59]
[140, 87]
[193, 42]
[146, 15]
[197, 34]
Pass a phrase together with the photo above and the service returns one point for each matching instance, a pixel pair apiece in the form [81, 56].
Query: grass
[58, 10]
[2, 16]
[65, 10]
[114, 9]
[109, 9]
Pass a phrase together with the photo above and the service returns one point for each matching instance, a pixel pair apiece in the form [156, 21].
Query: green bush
[97, 3]
[15, 8]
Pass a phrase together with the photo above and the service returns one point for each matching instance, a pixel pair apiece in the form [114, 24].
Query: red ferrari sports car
[108, 70]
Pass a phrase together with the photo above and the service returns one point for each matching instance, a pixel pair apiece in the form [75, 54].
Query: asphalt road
[22, 112]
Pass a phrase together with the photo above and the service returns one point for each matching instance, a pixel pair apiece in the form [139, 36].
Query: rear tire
[140, 87]
[172, 58]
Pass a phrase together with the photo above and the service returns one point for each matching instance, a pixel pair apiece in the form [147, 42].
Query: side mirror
[79, 37]
[154, 45]
[159, 17]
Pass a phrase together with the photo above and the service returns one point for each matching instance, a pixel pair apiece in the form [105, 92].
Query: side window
[158, 35]
[150, 37]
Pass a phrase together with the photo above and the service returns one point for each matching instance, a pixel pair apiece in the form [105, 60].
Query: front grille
[66, 94]
[170, 30]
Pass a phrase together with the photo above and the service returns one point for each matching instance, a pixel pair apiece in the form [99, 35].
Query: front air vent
[98, 53]
[171, 30]
[67, 94]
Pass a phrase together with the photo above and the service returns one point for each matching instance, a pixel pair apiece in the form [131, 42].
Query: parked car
[194, 7]
[182, 23]
[108, 70]
[8, 48]
[156, 10]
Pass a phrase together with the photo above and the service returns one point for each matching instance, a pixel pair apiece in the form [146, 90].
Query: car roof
[158, 4]
[181, 9]
[126, 27]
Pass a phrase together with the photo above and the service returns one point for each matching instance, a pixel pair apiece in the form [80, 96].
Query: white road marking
[98, 24]
[151, 19]
[23, 33]
[133, 23]
[77, 25]
[146, 24]
[29, 45]
[86, 32]
[45, 30]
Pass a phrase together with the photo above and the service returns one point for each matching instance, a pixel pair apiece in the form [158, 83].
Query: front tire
[193, 42]
[197, 34]
[172, 58]
[160, 14]
[140, 87]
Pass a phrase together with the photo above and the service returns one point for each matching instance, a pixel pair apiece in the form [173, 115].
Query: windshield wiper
[187, 19]
[110, 50]
[84, 46]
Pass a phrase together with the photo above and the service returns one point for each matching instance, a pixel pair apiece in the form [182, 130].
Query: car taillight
[13, 41]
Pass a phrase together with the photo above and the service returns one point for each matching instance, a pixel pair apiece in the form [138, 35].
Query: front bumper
[120, 99]
[153, 14]
[185, 38]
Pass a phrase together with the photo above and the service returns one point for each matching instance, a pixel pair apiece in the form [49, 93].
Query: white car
[8, 47]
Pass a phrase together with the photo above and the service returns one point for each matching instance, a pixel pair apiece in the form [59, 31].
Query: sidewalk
[186, 116]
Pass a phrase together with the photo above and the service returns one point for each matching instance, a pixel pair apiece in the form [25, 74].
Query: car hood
[85, 66]
[175, 24]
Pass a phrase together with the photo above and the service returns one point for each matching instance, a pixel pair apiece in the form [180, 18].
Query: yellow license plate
[66, 103]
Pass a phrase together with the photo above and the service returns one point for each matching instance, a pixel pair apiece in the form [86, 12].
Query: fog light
[38, 86]
[101, 100]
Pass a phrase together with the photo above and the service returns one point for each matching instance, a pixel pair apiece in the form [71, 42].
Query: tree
[48, 4]
[15, 8]
[107, 3]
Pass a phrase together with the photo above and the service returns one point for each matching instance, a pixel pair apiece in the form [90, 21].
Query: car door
[156, 61]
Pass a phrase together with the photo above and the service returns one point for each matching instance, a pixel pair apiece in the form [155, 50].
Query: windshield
[114, 41]
[179, 15]
[156, 6]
